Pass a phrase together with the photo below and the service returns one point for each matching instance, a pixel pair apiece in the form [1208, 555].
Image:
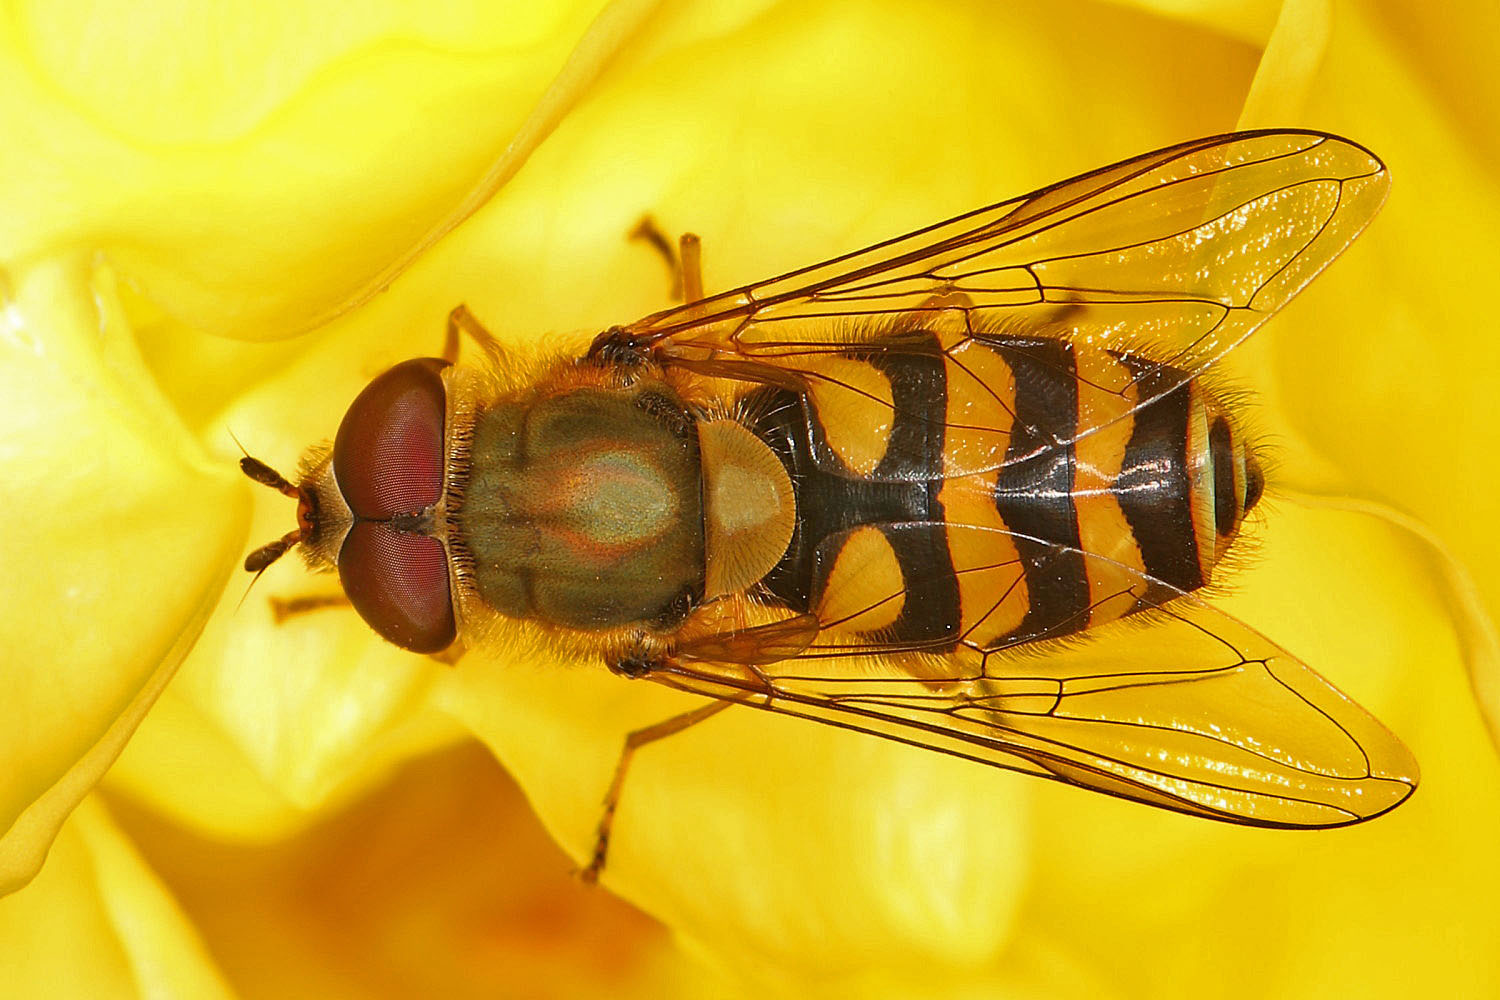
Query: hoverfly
[958, 490]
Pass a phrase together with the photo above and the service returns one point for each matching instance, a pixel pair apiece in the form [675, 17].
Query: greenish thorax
[584, 510]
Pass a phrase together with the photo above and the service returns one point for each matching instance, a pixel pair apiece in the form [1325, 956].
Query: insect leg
[690, 255]
[685, 262]
[460, 319]
[944, 311]
[952, 311]
[648, 231]
[283, 608]
[633, 742]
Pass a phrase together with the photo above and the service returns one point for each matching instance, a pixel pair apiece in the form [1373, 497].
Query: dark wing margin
[1189, 710]
[1186, 250]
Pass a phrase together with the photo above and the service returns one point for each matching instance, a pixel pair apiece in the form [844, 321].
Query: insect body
[921, 491]
[974, 517]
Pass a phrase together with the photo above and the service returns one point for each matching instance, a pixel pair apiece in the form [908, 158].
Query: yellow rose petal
[1248, 20]
[1293, 913]
[249, 169]
[96, 923]
[122, 539]
[272, 722]
[818, 851]
[439, 883]
[1387, 367]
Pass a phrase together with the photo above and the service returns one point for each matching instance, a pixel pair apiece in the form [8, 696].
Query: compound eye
[388, 455]
[388, 460]
[398, 582]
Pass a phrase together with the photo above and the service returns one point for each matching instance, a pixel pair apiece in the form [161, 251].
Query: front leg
[616, 347]
[619, 349]
[461, 320]
[685, 262]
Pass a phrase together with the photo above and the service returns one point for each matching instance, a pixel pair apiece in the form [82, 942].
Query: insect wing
[1186, 250]
[1190, 710]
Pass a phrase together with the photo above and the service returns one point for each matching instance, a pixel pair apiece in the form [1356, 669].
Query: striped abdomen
[942, 498]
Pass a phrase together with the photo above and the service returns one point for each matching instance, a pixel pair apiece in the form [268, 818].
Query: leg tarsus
[647, 231]
[690, 257]
[633, 742]
[283, 608]
[685, 262]
[461, 320]
[948, 310]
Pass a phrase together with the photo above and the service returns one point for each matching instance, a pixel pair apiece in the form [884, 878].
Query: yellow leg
[460, 319]
[690, 255]
[685, 262]
[953, 310]
[283, 608]
[633, 742]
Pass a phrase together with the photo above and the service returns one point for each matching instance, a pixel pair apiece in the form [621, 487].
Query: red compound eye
[388, 455]
[388, 459]
[398, 582]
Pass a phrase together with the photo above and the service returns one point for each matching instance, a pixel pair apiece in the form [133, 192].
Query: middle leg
[633, 742]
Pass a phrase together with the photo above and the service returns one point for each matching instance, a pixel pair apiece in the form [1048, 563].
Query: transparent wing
[1184, 708]
[1184, 251]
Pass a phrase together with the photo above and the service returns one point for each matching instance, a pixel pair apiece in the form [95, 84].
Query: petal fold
[124, 535]
[97, 923]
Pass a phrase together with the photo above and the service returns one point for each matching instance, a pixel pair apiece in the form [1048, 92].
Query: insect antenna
[261, 559]
[267, 476]
[263, 473]
[258, 561]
